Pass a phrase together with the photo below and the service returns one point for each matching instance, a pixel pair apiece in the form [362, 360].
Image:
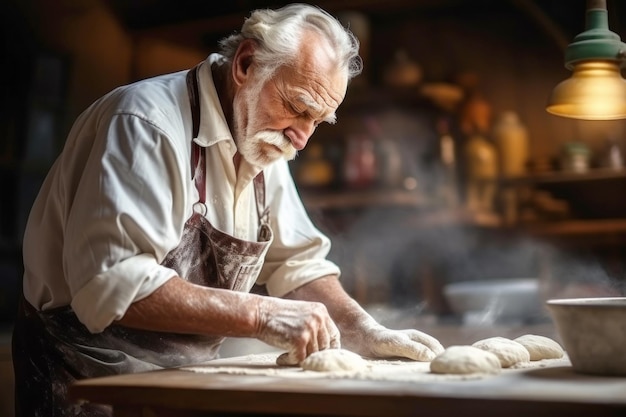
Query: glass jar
[576, 156]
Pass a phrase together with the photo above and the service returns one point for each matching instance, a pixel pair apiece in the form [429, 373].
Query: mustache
[279, 140]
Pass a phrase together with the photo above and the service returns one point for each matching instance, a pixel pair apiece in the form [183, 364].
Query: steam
[385, 251]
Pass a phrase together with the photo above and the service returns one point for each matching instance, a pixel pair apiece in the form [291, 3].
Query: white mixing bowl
[501, 300]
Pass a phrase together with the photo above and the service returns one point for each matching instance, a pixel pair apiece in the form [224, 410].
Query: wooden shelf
[578, 227]
[610, 229]
[555, 177]
[355, 199]
[594, 194]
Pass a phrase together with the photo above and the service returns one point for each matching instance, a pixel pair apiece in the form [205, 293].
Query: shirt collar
[213, 125]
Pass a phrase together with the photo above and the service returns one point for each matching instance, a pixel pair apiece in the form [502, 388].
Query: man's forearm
[348, 315]
[299, 327]
[182, 307]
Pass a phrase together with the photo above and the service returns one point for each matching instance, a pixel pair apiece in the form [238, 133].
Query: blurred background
[444, 167]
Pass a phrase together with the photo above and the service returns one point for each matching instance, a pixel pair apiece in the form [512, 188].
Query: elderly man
[171, 199]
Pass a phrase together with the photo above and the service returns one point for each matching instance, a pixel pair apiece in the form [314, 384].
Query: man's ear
[243, 60]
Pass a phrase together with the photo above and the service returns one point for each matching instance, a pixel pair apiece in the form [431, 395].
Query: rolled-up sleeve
[127, 213]
[299, 251]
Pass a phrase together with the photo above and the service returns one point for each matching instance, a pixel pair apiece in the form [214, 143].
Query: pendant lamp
[596, 89]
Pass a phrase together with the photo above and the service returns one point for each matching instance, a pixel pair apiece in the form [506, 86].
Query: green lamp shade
[595, 91]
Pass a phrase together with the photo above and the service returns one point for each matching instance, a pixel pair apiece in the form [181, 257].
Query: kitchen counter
[254, 385]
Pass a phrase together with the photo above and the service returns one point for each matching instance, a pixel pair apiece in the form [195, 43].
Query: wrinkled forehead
[317, 67]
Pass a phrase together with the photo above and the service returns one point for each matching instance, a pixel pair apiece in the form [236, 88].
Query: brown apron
[52, 349]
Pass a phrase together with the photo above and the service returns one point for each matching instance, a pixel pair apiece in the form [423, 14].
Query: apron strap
[262, 209]
[198, 158]
[194, 99]
[259, 192]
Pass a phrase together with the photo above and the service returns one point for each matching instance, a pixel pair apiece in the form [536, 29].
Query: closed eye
[312, 110]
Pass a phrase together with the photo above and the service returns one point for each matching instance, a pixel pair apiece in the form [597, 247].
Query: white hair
[278, 33]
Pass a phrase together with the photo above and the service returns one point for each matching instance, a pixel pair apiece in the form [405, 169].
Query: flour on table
[540, 347]
[465, 360]
[400, 370]
[508, 351]
[331, 360]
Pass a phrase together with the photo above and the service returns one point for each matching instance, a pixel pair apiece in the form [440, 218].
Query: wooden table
[550, 390]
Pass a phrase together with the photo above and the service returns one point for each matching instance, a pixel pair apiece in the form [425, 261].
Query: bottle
[511, 140]
[613, 157]
[388, 157]
[360, 162]
[576, 157]
[447, 158]
[482, 170]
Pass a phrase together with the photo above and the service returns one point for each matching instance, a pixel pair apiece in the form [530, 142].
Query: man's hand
[380, 342]
[300, 327]
[362, 334]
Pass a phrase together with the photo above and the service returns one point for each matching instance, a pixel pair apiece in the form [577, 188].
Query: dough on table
[540, 347]
[329, 360]
[465, 360]
[508, 351]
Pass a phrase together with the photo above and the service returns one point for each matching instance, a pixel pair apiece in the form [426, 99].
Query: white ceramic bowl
[490, 301]
[593, 332]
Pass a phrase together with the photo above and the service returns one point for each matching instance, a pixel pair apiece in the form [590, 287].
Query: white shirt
[116, 200]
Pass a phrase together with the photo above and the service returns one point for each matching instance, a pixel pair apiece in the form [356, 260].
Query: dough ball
[508, 351]
[540, 347]
[465, 360]
[330, 360]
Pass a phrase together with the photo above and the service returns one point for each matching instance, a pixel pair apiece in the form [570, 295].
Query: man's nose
[300, 132]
